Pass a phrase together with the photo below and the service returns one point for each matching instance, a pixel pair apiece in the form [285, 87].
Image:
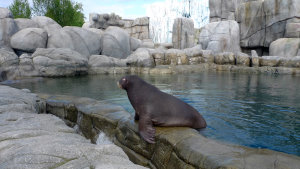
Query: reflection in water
[252, 110]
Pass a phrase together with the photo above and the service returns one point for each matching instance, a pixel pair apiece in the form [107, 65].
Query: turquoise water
[261, 111]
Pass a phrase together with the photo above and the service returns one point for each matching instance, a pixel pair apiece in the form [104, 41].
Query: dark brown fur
[156, 108]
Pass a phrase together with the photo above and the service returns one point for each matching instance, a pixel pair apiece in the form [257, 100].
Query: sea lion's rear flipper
[146, 129]
[136, 116]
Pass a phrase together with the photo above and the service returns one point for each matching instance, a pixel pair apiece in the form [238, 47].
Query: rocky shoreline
[29, 138]
[109, 44]
[174, 148]
[237, 41]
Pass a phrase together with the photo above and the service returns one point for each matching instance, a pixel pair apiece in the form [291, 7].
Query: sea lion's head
[128, 82]
[123, 82]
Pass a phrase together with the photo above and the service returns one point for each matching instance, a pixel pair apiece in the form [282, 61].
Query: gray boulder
[193, 54]
[95, 30]
[26, 61]
[23, 23]
[29, 39]
[285, 47]
[32, 140]
[8, 27]
[140, 58]
[5, 13]
[254, 59]
[279, 61]
[223, 36]
[242, 59]
[105, 61]
[44, 21]
[271, 61]
[103, 21]
[115, 42]
[262, 22]
[225, 58]
[8, 58]
[158, 55]
[183, 35]
[293, 62]
[194, 51]
[147, 43]
[8, 64]
[137, 28]
[81, 40]
[207, 57]
[165, 45]
[47, 23]
[292, 30]
[176, 57]
[251, 18]
[223, 9]
[59, 62]
[86, 25]
[26, 67]
[134, 43]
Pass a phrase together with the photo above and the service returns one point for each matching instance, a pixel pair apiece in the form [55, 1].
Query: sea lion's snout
[118, 83]
[123, 83]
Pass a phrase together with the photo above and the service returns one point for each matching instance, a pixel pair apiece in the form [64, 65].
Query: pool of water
[261, 111]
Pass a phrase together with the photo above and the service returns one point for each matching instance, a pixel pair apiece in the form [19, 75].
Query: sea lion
[156, 108]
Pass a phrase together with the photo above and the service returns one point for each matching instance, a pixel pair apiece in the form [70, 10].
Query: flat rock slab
[31, 140]
[175, 147]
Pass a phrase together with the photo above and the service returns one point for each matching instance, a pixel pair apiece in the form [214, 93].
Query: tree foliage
[20, 9]
[64, 12]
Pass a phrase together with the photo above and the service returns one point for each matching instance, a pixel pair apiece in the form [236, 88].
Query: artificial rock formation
[103, 21]
[285, 47]
[138, 28]
[175, 147]
[23, 23]
[32, 140]
[8, 27]
[8, 58]
[53, 62]
[81, 40]
[183, 35]
[262, 22]
[5, 13]
[46, 23]
[29, 39]
[220, 36]
[115, 42]
[223, 9]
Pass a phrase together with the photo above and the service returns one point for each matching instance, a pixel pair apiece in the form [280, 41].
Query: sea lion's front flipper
[146, 129]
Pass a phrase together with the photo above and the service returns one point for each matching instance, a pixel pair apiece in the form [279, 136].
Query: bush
[64, 12]
[20, 9]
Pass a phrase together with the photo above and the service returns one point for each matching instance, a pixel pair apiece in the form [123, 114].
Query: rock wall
[174, 148]
[32, 140]
[223, 36]
[137, 28]
[41, 47]
[261, 21]
[223, 9]
[103, 21]
[183, 34]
